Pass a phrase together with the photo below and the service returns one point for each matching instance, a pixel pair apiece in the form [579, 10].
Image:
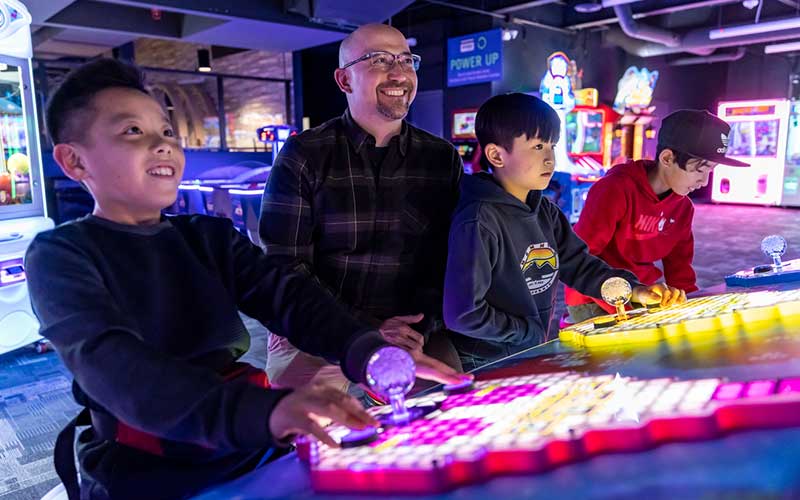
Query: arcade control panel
[530, 424]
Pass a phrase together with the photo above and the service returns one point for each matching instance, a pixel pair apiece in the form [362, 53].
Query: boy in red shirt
[639, 213]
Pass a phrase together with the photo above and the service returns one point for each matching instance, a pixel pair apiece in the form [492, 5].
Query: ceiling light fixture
[753, 29]
[782, 47]
[614, 3]
[588, 7]
[204, 60]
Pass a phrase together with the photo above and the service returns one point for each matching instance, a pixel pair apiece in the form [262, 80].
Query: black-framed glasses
[384, 61]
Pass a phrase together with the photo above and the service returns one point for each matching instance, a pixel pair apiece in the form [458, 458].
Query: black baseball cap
[697, 133]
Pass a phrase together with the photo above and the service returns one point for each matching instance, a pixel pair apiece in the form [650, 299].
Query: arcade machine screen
[585, 132]
[754, 138]
[464, 136]
[464, 124]
[15, 164]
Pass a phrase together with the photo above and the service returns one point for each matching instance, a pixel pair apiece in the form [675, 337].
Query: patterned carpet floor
[35, 397]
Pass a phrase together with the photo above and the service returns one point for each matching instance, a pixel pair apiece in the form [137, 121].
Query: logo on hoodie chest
[650, 226]
[539, 265]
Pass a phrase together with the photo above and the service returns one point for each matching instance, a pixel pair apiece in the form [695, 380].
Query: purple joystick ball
[391, 372]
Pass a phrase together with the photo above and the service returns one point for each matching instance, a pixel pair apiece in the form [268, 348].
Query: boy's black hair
[503, 118]
[69, 112]
[681, 158]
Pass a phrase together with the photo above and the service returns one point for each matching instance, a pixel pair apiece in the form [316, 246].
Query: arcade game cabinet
[571, 181]
[590, 131]
[22, 207]
[791, 175]
[758, 136]
[464, 138]
[634, 134]
[275, 136]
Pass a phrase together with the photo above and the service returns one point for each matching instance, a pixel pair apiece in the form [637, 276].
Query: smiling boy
[509, 244]
[639, 213]
[144, 312]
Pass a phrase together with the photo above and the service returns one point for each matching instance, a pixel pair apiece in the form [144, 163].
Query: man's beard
[396, 112]
[393, 108]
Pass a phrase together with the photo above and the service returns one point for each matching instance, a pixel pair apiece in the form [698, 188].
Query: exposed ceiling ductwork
[695, 41]
[641, 31]
[716, 58]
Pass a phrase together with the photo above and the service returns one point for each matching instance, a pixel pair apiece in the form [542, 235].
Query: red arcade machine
[590, 131]
[464, 136]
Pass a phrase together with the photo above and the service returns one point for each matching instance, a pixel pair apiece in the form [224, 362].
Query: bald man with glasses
[364, 203]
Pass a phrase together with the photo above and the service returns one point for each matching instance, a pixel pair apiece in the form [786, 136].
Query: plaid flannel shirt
[379, 247]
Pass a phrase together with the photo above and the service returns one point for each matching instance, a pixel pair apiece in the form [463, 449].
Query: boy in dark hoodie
[640, 212]
[509, 244]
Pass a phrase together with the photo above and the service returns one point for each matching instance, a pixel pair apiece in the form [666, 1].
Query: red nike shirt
[628, 226]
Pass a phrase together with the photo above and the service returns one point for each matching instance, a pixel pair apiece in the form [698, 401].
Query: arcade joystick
[617, 292]
[774, 246]
[390, 373]
[779, 271]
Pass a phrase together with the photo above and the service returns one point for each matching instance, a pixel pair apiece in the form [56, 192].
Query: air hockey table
[713, 415]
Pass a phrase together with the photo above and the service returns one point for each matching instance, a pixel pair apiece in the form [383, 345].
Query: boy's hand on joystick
[658, 293]
[310, 408]
[432, 369]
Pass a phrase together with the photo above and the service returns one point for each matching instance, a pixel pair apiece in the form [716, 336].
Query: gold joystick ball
[617, 292]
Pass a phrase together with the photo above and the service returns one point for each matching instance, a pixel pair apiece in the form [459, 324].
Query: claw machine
[22, 206]
[758, 136]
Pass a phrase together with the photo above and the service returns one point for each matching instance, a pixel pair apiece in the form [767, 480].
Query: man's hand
[429, 368]
[659, 293]
[396, 330]
[308, 409]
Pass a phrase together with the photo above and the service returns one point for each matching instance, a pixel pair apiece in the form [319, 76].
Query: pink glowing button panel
[529, 424]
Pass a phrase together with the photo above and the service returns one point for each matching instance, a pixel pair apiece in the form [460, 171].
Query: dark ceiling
[85, 28]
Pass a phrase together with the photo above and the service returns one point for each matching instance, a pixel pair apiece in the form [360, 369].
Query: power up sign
[475, 58]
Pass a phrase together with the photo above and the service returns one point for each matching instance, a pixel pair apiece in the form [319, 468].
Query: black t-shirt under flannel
[378, 243]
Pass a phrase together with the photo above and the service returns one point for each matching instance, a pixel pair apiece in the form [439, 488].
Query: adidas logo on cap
[724, 148]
